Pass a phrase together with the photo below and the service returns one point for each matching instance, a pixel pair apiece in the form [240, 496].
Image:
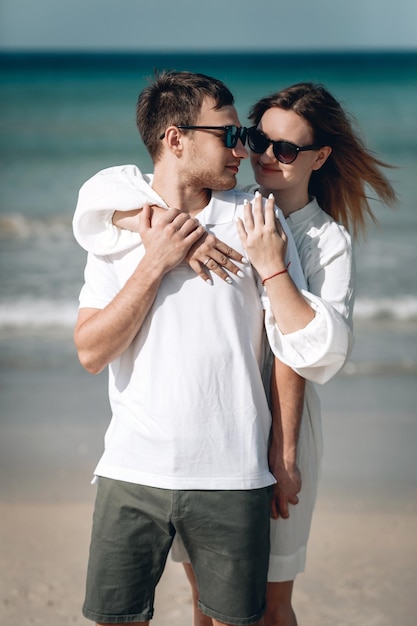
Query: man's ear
[322, 156]
[174, 139]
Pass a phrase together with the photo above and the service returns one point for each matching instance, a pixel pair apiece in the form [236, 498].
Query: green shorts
[226, 534]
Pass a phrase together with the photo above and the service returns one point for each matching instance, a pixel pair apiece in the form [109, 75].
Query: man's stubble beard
[213, 182]
[199, 178]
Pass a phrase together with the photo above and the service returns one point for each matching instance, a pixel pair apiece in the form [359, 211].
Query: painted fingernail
[271, 196]
[229, 280]
[209, 281]
[245, 261]
[246, 202]
[240, 274]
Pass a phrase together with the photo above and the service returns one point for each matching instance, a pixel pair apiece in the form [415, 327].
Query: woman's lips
[268, 169]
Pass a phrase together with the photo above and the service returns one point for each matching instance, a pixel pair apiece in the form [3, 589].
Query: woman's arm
[309, 332]
[265, 242]
[125, 188]
[287, 402]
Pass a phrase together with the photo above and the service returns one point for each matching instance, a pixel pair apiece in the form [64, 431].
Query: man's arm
[101, 335]
[287, 401]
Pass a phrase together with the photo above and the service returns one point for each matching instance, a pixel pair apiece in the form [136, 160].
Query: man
[186, 450]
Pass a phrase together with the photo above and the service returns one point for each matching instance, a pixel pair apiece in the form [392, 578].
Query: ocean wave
[44, 313]
[18, 226]
[407, 366]
[32, 313]
[399, 309]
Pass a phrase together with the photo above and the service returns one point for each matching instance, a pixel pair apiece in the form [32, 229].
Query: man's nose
[240, 151]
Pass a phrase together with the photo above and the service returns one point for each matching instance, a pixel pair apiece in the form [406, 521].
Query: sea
[63, 117]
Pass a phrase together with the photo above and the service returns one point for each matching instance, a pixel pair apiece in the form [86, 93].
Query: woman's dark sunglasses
[231, 136]
[284, 151]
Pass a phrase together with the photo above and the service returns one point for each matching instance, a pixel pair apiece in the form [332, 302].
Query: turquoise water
[65, 117]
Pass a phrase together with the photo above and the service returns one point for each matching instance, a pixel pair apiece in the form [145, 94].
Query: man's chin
[230, 183]
[221, 183]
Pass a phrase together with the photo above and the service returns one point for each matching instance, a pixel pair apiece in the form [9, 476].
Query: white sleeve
[101, 284]
[121, 188]
[292, 259]
[318, 351]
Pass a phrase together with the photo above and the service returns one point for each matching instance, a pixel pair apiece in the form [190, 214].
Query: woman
[305, 153]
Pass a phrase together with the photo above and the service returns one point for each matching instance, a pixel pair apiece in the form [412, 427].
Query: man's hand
[287, 487]
[168, 239]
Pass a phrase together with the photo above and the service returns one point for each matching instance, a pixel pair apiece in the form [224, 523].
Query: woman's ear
[322, 156]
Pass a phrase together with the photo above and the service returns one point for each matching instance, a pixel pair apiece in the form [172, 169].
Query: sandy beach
[362, 561]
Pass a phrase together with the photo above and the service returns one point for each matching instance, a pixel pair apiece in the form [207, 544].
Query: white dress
[316, 352]
[325, 251]
[326, 255]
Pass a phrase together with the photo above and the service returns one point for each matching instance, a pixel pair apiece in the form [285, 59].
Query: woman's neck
[287, 200]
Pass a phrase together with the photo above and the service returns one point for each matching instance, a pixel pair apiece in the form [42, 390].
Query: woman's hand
[210, 253]
[262, 236]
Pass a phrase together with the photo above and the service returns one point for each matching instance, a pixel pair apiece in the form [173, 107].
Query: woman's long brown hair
[340, 185]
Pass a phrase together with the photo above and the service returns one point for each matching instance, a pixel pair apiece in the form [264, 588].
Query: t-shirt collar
[220, 210]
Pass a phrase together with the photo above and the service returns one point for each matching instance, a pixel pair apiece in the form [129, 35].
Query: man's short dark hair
[175, 98]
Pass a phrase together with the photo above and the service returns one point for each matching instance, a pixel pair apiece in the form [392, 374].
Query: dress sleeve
[121, 188]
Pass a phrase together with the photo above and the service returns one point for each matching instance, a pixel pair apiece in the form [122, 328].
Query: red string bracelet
[284, 271]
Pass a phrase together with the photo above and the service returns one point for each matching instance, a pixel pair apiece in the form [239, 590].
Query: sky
[208, 25]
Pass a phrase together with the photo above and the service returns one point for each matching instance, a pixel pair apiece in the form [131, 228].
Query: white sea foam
[44, 313]
[18, 226]
[401, 309]
[32, 313]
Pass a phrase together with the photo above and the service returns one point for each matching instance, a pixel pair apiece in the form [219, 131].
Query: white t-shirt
[317, 352]
[188, 403]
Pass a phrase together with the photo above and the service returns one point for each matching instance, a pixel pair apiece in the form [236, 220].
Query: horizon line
[258, 51]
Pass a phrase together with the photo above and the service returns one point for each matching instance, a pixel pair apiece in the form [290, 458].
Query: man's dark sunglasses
[284, 151]
[231, 136]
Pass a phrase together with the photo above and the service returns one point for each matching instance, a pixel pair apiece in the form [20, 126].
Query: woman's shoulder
[314, 222]
[318, 237]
